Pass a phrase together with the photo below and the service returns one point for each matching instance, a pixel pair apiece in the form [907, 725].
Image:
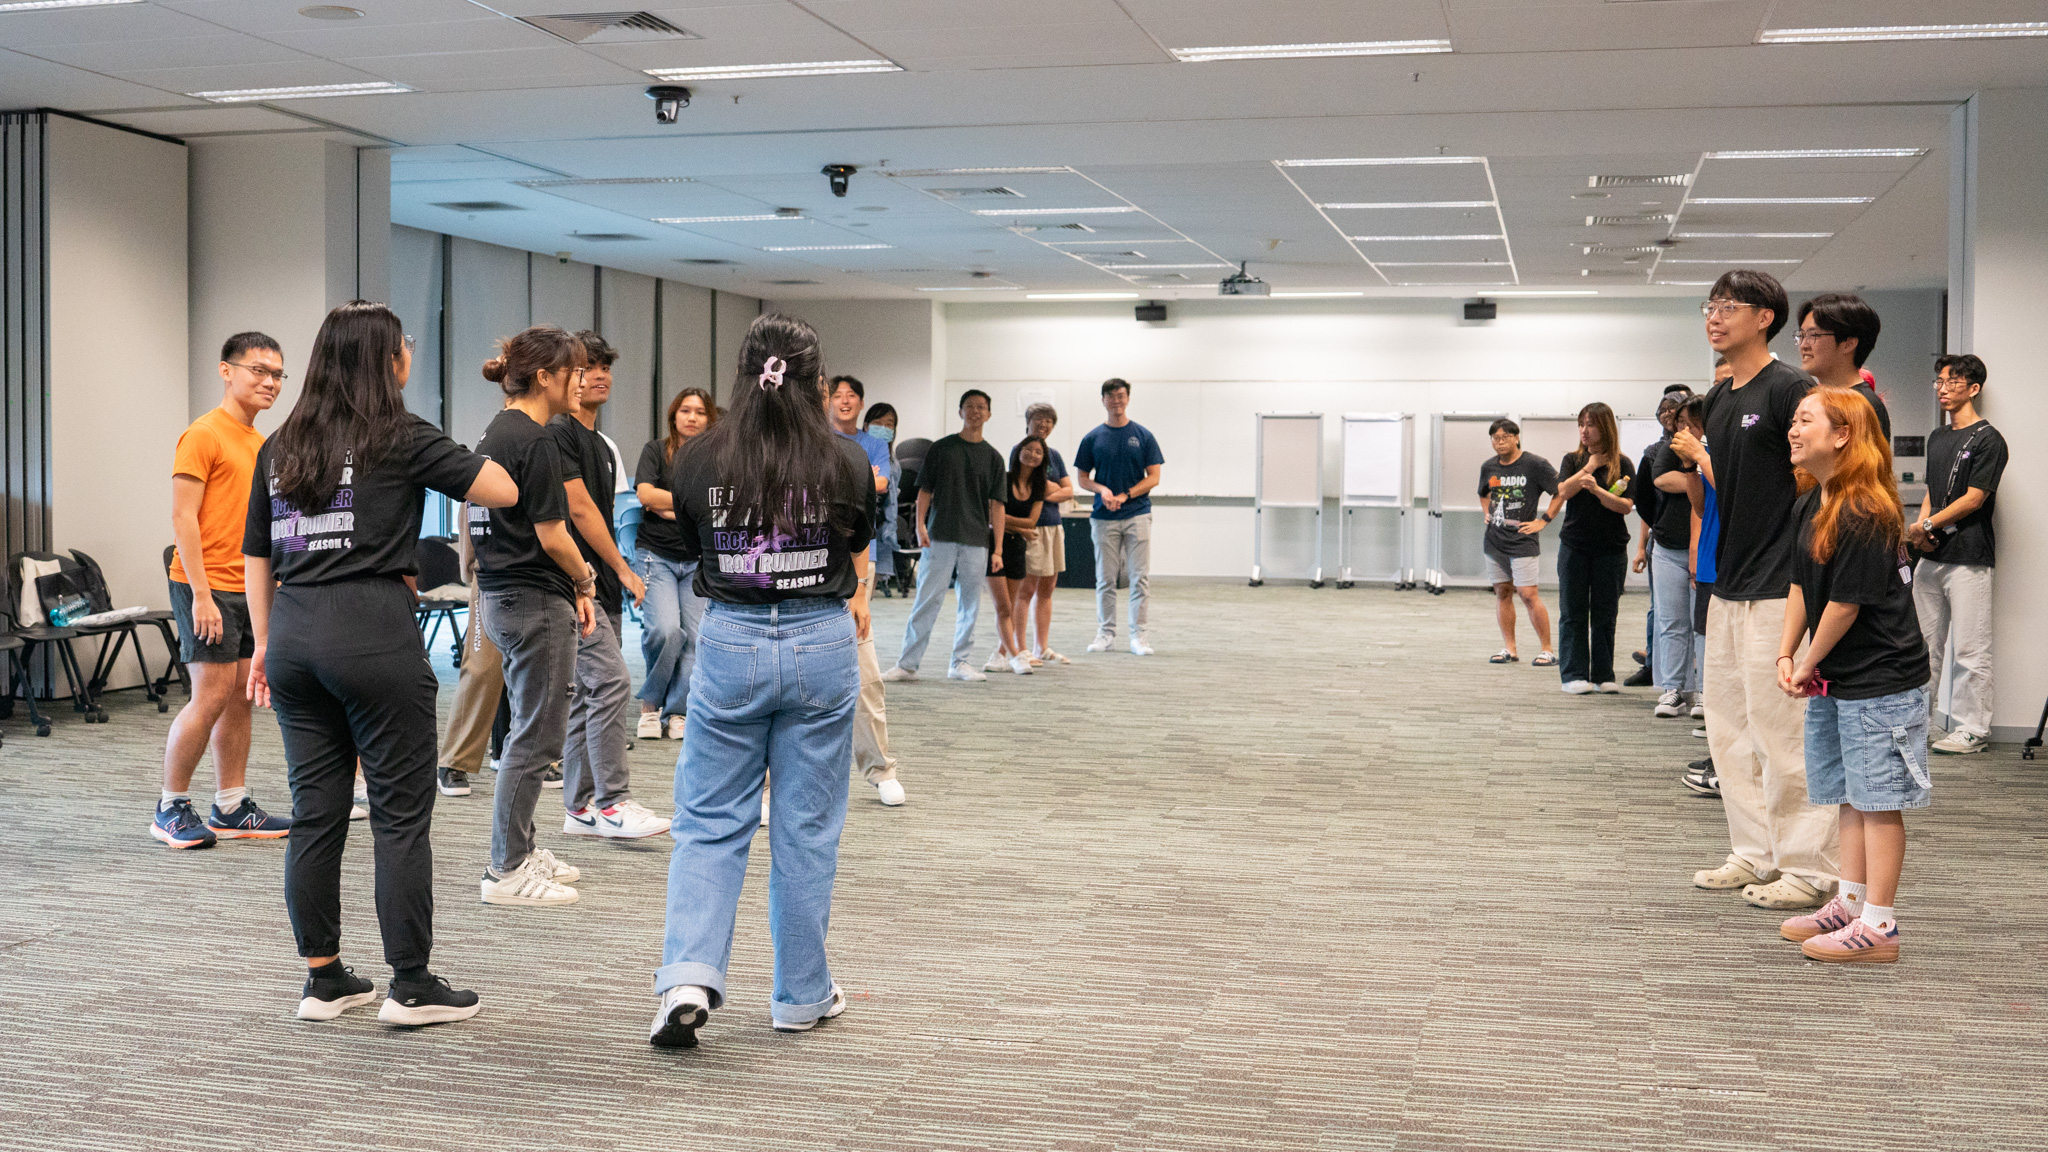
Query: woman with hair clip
[1022, 502]
[1863, 671]
[334, 514]
[536, 590]
[672, 616]
[1599, 487]
[777, 507]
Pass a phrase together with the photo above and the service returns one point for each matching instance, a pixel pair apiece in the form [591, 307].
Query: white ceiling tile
[265, 17]
[537, 67]
[176, 52]
[1668, 24]
[211, 118]
[306, 70]
[356, 38]
[1213, 23]
[107, 25]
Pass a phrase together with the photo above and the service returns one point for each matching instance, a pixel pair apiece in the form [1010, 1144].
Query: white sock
[229, 799]
[1852, 894]
[1878, 917]
[171, 798]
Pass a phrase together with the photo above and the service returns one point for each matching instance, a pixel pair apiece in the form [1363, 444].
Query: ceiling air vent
[1678, 181]
[479, 206]
[705, 260]
[604, 236]
[609, 27]
[1619, 249]
[794, 283]
[1627, 221]
[598, 182]
[1610, 271]
[996, 193]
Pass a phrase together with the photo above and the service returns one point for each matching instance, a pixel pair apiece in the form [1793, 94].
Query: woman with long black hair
[777, 509]
[537, 593]
[1023, 500]
[673, 614]
[334, 514]
[1599, 486]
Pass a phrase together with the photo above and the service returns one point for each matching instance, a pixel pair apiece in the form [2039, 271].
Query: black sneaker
[451, 781]
[551, 776]
[334, 990]
[1704, 782]
[432, 1002]
[1640, 678]
[1706, 766]
[180, 826]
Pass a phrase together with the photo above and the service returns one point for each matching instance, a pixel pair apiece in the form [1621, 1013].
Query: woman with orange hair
[1863, 670]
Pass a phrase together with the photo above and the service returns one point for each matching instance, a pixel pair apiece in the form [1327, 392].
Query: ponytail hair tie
[771, 372]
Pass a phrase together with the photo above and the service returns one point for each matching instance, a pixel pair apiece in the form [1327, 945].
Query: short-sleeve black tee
[658, 534]
[586, 457]
[1589, 525]
[1884, 415]
[1649, 501]
[1959, 459]
[750, 565]
[371, 528]
[508, 554]
[1882, 652]
[1672, 527]
[1513, 494]
[1753, 484]
[963, 477]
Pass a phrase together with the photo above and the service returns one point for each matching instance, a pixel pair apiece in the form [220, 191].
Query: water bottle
[71, 608]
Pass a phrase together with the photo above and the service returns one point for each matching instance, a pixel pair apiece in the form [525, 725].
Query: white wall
[888, 345]
[118, 331]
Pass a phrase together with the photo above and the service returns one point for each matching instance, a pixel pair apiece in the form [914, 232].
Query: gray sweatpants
[1122, 548]
[536, 631]
[1954, 604]
[594, 751]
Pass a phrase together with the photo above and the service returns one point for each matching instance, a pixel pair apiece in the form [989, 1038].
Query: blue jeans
[1868, 754]
[943, 563]
[1671, 656]
[671, 619]
[775, 684]
[1589, 596]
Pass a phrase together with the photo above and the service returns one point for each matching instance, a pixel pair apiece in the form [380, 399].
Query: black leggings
[349, 679]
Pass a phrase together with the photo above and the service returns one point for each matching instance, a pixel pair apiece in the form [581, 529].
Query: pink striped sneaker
[1859, 943]
[1832, 916]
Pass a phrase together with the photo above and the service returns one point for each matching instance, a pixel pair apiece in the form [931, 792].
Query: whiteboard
[1551, 437]
[1637, 434]
[1374, 451]
[1290, 447]
[1466, 446]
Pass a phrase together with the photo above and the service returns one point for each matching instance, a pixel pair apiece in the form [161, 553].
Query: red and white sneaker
[1833, 916]
[1859, 943]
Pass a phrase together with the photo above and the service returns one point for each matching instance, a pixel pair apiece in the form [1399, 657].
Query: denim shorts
[1868, 754]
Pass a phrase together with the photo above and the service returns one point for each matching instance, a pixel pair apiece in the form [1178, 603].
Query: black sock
[332, 970]
[418, 975]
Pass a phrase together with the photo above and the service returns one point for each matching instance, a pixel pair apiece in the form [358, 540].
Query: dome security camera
[839, 174]
[669, 101]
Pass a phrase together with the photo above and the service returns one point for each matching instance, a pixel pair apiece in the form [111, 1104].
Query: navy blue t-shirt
[1116, 458]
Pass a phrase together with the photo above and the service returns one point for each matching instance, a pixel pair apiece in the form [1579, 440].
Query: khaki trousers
[871, 720]
[1757, 737]
[477, 689]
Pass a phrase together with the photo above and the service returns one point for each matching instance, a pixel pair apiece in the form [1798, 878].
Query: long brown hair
[674, 439]
[1609, 434]
[1862, 484]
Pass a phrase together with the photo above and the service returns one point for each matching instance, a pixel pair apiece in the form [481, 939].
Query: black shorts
[1701, 593]
[237, 639]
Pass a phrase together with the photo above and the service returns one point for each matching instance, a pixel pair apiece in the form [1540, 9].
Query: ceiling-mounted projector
[1241, 283]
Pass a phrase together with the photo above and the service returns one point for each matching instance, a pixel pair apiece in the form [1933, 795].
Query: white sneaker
[997, 662]
[1609, 687]
[1578, 687]
[1139, 647]
[650, 726]
[676, 724]
[764, 807]
[360, 810]
[890, 793]
[555, 869]
[627, 820]
[1959, 744]
[526, 885]
[1671, 703]
[1021, 665]
[582, 823]
[963, 671]
[1102, 642]
[837, 1006]
[684, 1008]
[1699, 707]
[1700, 733]
[898, 675]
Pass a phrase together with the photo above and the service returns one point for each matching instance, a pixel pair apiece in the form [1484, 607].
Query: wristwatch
[1927, 525]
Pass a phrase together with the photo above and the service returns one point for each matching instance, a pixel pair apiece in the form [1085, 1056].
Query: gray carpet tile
[1314, 877]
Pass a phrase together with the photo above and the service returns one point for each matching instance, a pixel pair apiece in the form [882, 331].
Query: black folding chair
[439, 565]
[170, 634]
[39, 634]
[17, 674]
[126, 631]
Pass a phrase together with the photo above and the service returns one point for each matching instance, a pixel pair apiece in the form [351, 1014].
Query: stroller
[910, 456]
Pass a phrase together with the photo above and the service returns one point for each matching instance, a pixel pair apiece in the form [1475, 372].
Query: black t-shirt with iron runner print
[752, 565]
[371, 526]
[1882, 653]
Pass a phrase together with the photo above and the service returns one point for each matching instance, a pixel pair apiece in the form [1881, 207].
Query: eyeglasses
[260, 372]
[1713, 308]
[1814, 335]
[1951, 382]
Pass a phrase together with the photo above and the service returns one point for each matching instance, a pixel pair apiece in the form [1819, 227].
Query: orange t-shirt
[219, 451]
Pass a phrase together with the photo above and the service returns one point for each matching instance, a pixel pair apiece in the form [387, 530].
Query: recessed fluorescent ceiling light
[1370, 160]
[39, 5]
[1552, 292]
[1779, 199]
[766, 71]
[1685, 283]
[1310, 295]
[976, 288]
[303, 92]
[1416, 204]
[1306, 51]
[1397, 239]
[1439, 263]
[1729, 263]
[1081, 296]
[723, 219]
[1904, 32]
[1050, 211]
[828, 248]
[1753, 235]
[908, 173]
[1817, 153]
[1155, 267]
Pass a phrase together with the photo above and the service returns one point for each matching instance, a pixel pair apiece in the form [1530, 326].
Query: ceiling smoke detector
[609, 27]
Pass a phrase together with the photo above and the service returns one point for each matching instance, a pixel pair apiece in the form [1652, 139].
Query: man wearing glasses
[210, 477]
[1836, 334]
[1952, 533]
[1782, 850]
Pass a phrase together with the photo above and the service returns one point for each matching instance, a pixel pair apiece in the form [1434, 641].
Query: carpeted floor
[1314, 877]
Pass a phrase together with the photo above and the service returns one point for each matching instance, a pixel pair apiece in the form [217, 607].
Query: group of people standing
[1789, 611]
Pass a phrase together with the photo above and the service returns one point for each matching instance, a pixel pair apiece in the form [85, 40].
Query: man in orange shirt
[210, 481]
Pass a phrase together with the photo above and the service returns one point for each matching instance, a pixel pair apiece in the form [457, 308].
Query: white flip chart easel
[1379, 474]
[1290, 475]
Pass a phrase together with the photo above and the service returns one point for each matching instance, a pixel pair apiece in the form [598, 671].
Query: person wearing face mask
[1599, 486]
[672, 616]
[537, 597]
[880, 422]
